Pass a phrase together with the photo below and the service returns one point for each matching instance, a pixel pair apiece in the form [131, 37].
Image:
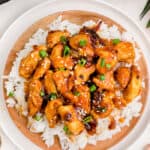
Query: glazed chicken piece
[69, 116]
[90, 124]
[82, 43]
[105, 81]
[62, 81]
[119, 102]
[107, 60]
[54, 37]
[60, 61]
[71, 97]
[71, 82]
[26, 87]
[125, 52]
[80, 97]
[49, 84]
[122, 75]
[42, 68]
[34, 98]
[135, 85]
[105, 107]
[30, 62]
[83, 73]
[83, 98]
[91, 31]
[112, 124]
[51, 111]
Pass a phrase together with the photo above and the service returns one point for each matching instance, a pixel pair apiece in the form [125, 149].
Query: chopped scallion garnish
[53, 96]
[93, 88]
[61, 69]
[63, 39]
[82, 43]
[108, 66]
[102, 77]
[115, 41]
[82, 62]
[101, 109]
[66, 129]
[42, 93]
[43, 53]
[87, 119]
[11, 94]
[76, 93]
[38, 117]
[66, 50]
[102, 64]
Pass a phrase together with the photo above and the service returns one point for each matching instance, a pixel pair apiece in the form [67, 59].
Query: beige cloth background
[13, 9]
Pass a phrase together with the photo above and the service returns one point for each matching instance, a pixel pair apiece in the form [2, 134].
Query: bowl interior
[77, 17]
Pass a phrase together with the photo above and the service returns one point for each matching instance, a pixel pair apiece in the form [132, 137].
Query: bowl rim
[4, 110]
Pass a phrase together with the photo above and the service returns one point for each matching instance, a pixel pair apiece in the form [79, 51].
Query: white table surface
[13, 9]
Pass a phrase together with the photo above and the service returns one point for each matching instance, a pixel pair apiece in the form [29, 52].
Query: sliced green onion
[82, 42]
[63, 39]
[61, 69]
[115, 41]
[66, 50]
[37, 117]
[43, 53]
[102, 64]
[42, 93]
[102, 109]
[82, 62]
[87, 119]
[108, 66]
[76, 93]
[93, 88]
[102, 77]
[53, 96]
[66, 129]
[11, 94]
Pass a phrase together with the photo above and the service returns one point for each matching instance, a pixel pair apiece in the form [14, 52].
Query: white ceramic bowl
[50, 7]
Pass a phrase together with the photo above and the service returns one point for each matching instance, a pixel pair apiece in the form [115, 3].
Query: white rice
[10, 102]
[37, 126]
[15, 83]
